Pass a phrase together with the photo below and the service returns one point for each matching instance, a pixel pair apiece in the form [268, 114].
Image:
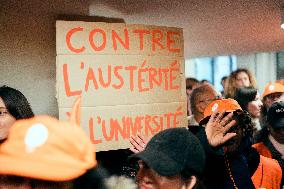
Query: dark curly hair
[16, 103]
[245, 122]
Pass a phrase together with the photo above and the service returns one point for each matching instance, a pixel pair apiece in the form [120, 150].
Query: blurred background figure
[249, 100]
[272, 139]
[13, 106]
[223, 83]
[237, 79]
[273, 92]
[200, 97]
[173, 159]
[43, 152]
[204, 81]
[191, 83]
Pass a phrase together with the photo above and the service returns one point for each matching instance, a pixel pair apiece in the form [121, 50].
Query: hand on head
[217, 128]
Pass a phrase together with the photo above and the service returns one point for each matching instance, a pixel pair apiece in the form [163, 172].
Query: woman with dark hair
[13, 106]
[249, 100]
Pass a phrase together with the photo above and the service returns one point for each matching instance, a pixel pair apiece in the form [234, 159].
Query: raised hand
[217, 127]
[138, 142]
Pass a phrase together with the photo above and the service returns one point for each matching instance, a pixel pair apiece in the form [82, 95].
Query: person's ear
[191, 183]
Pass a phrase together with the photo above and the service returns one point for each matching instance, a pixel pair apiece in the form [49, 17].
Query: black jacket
[242, 165]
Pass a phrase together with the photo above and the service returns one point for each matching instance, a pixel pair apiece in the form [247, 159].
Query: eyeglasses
[218, 97]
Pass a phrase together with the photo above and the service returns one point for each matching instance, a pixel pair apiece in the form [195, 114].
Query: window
[211, 69]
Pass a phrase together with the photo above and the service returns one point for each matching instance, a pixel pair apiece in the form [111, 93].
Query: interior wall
[27, 50]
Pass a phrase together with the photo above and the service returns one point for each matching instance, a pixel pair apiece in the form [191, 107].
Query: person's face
[223, 83]
[6, 120]
[278, 134]
[147, 178]
[271, 98]
[254, 107]
[206, 98]
[242, 80]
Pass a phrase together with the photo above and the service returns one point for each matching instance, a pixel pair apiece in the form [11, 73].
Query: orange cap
[273, 88]
[227, 105]
[45, 148]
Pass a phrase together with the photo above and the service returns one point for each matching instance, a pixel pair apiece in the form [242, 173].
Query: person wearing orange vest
[272, 144]
[231, 161]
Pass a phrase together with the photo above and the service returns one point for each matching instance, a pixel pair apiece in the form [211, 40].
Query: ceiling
[211, 27]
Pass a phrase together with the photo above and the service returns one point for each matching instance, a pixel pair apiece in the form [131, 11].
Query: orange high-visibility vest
[268, 174]
[262, 149]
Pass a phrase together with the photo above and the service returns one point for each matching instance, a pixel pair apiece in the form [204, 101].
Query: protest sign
[130, 77]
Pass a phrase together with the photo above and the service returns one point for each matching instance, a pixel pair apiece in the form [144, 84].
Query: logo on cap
[271, 87]
[214, 107]
[36, 136]
[279, 110]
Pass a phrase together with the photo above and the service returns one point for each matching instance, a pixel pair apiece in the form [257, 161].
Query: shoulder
[271, 163]
[262, 149]
[268, 173]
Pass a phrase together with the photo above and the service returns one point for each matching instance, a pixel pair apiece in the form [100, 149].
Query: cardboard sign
[130, 77]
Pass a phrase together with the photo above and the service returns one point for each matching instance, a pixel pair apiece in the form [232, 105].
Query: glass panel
[203, 68]
[211, 69]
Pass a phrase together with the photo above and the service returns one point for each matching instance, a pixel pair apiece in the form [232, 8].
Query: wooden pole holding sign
[130, 79]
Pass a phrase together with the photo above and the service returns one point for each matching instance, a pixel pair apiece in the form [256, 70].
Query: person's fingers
[133, 141]
[226, 119]
[228, 136]
[134, 150]
[219, 117]
[143, 138]
[229, 125]
[212, 117]
[137, 143]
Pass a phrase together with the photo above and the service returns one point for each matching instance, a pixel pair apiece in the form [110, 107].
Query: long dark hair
[16, 103]
[245, 95]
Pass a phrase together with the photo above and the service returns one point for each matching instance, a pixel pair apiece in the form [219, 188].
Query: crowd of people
[234, 140]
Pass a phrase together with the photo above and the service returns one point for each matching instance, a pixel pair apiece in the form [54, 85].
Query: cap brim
[33, 169]
[159, 162]
[278, 124]
[205, 120]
